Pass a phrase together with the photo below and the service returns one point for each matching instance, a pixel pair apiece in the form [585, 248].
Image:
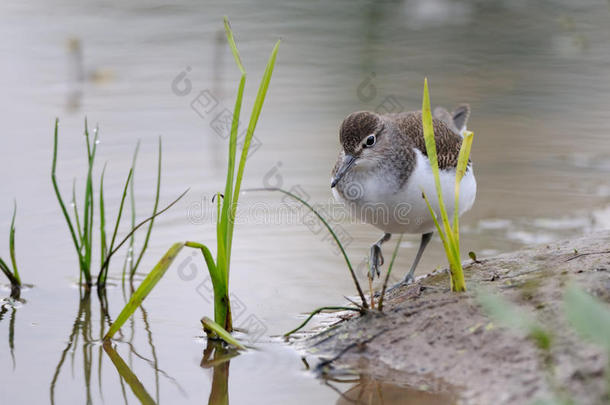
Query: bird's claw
[375, 261]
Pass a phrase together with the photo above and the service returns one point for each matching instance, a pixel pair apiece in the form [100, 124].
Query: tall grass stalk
[450, 234]
[219, 272]
[12, 273]
[218, 267]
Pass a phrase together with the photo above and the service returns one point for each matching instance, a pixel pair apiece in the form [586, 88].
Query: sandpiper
[383, 168]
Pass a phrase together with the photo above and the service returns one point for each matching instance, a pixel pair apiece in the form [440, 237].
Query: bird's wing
[448, 142]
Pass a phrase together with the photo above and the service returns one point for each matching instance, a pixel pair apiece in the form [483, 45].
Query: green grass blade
[101, 280]
[463, 158]
[7, 272]
[221, 258]
[588, 316]
[64, 211]
[387, 275]
[233, 46]
[155, 207]
[222, 305]
[132, 201]
[75, 209]
[12, 245]
[254, 116]
[145, 288]
[317, 311]
[207, 256]
[103, 245]
[456, 280]
[88, 143]
[121, 206]
[226, 219]
[432, 156]
[222, 312]
[449, 234]
[128, 375]
[440, 231]
[89, 205]
[332, 233]
[228, 192]
[210, 325]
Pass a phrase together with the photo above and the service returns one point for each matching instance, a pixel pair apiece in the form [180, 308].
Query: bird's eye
[370, 141]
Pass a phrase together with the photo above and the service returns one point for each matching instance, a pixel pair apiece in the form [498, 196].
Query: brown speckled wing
[448, 143]
[337, 164]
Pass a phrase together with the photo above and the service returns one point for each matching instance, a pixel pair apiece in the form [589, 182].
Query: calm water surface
[537, 76]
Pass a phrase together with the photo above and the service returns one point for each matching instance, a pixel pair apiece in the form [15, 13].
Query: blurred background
[536, 74]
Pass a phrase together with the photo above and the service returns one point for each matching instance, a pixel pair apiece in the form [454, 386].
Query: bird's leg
[425, 238]
[376, 258]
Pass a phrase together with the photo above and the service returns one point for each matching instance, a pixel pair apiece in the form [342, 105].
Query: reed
[219, 266]
[449, 233]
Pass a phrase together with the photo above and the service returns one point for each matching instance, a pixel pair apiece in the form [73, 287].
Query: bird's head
[363, 136]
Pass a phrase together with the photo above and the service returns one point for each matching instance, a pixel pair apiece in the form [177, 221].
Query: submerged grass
[450, 234]
[219, 267]
[12, 271]
[81, 224]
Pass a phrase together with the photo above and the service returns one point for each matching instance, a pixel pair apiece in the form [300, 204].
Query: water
[536, 76]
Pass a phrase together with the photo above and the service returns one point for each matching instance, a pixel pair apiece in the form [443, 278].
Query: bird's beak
[348, 161]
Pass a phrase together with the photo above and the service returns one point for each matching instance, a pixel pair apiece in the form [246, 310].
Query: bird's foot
[375, 261]
[409, 279]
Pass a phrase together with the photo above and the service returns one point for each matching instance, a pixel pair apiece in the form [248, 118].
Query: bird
[383, 170]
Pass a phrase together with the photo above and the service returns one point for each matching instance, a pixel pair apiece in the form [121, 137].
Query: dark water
[536, 74]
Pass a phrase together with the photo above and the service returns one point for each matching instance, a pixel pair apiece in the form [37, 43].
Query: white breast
[406, 211]
[422, 179]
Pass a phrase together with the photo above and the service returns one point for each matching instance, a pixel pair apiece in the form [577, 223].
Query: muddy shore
[437, 341]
